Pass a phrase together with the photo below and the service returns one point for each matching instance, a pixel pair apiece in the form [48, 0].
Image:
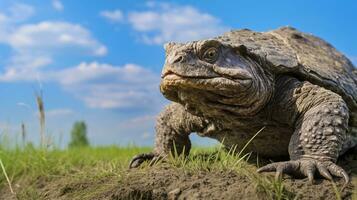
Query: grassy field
[102, 173]
[25, 167]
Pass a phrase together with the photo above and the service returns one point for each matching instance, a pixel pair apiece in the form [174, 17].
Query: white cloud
[24, 68]
[12, 16]
[35, 46]
[21, 12]
[99, 85]
[113, 16]
[54, 35]
[101, 51]
[106, 86]
[57, 5]
[167, 22]
[93, 71]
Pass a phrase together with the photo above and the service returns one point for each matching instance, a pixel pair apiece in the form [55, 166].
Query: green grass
[26, 167]
[33, 162]
[29, 164]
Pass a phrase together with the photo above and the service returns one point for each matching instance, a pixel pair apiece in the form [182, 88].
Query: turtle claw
[137, 160]
[339, 172]
[306, 167]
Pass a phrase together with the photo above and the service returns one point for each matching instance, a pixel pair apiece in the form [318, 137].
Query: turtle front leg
[320, 132]
[173, 127]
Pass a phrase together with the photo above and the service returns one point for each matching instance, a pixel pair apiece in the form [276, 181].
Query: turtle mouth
[171, 74]
[172, 82]
[167, 73]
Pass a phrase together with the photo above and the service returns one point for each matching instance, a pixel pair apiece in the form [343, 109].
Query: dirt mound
[165, 181]
[162, 182]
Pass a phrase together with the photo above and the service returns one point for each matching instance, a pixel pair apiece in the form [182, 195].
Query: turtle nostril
[178, 59]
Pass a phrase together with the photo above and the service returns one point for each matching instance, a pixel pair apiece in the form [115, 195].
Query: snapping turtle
[297, 86]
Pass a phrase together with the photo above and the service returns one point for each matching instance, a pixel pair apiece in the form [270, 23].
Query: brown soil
[165, 182]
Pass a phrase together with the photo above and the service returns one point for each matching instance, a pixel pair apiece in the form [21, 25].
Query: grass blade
[7, 178]
[251, 139]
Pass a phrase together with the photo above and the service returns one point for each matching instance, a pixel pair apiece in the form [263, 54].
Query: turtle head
[208, 76]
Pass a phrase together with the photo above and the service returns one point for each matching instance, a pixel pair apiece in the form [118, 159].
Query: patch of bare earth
[166, 182]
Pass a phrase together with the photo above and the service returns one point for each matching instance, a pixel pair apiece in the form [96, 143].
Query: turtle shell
[302, 55]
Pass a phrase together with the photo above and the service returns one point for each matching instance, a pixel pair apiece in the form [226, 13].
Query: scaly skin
[173, 127]
[228, 93]
[318, 116]
[320, 119]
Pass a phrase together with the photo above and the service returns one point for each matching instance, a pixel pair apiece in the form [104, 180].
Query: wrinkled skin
[225, 93]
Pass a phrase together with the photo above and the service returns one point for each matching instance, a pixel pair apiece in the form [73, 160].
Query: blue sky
[100, 60]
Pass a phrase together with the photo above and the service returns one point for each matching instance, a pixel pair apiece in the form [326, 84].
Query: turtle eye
[210, 55]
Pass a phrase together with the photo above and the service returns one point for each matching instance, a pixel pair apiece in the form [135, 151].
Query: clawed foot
[140, 158]
[306, 167]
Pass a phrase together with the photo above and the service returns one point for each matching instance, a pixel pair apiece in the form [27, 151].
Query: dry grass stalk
[7, 178]
[23, 133]
[41, 115]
